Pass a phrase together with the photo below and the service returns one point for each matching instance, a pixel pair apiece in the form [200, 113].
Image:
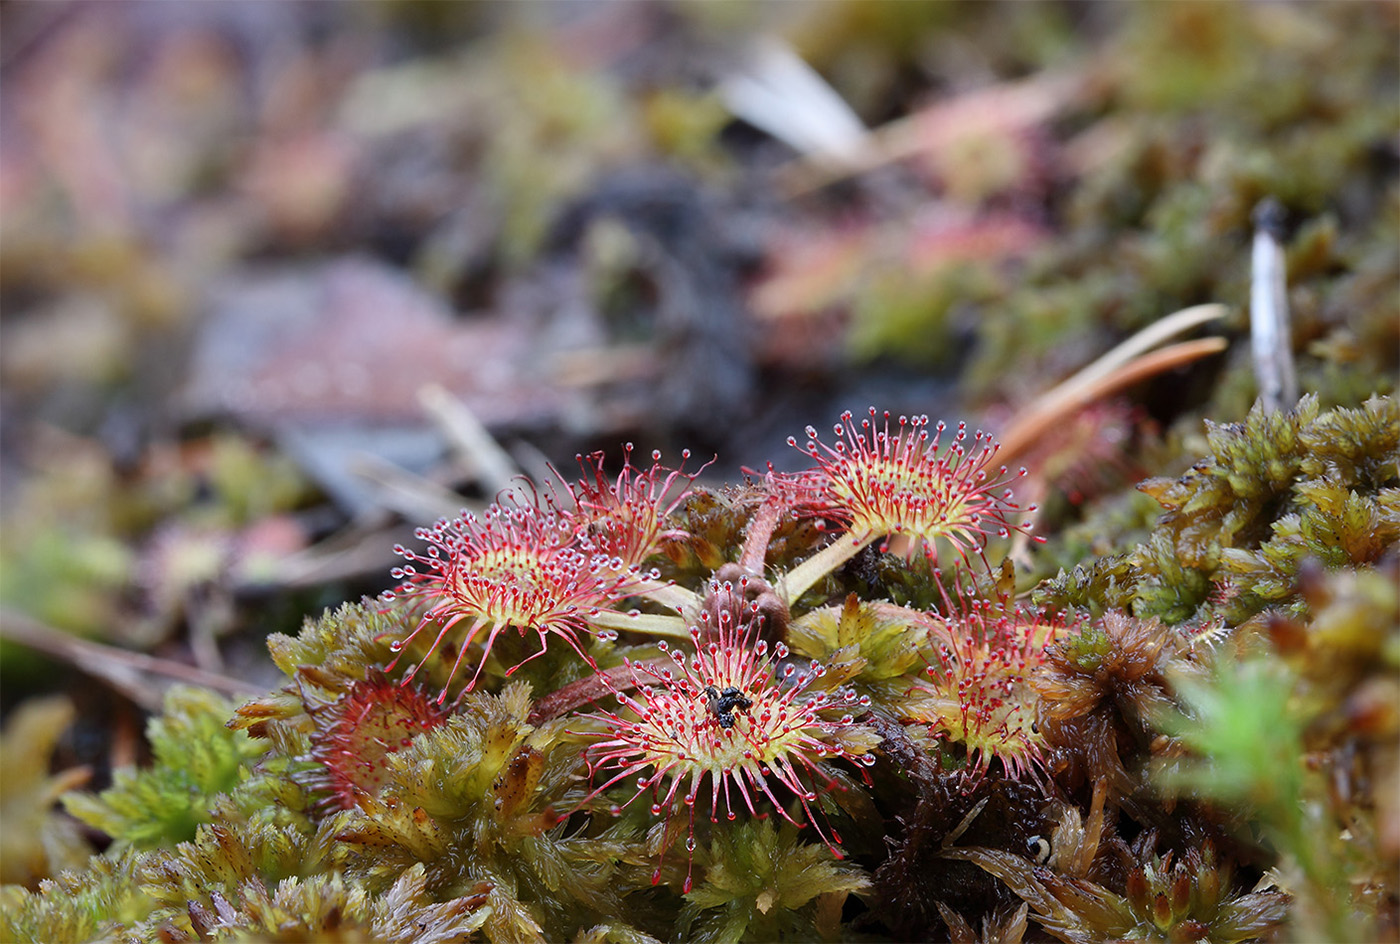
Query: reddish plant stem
[590, 689]
[759, 533]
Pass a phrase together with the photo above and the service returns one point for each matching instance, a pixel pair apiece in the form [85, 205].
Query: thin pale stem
[1159, 332]
[652, 624]
[800, 579]
[672, 595]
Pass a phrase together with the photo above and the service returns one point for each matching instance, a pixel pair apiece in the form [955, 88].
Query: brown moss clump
[1098, 691]
[1089, 886]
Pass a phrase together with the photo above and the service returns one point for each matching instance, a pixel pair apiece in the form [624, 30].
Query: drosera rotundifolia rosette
[733, 711]
[527, 564]
[899, 486]
[734, 720]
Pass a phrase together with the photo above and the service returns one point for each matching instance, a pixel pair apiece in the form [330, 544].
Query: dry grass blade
[130, 673]
[487, 461]
[418, 499]
[1123, 366]
[1154, 334]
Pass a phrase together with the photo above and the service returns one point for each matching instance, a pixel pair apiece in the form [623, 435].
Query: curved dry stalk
[1076, 393]
[1160, 331]
[126, 671]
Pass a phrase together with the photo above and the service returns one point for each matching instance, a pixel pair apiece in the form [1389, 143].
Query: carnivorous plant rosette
[536, 567]
[900, 485]
[979, 692]
[729, 712]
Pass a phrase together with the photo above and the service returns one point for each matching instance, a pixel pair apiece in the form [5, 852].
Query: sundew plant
[809, 706]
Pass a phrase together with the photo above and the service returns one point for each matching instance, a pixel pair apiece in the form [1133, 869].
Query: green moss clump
[761, 884]
[1275, 491]
[876, 649]
[97, 903]
[197, 759]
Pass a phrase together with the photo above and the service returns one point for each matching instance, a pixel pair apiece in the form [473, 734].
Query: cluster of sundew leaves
[488, 802]
[1277, 489]
[356, 733]
[979, 691]
[730, 697]
[899, 486]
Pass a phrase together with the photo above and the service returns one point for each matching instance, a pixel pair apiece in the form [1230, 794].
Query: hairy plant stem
[618, 679]
[757, 536]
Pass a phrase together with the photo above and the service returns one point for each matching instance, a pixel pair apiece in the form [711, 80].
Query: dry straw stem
[1123, 366]
[484, 457]
[127, 672]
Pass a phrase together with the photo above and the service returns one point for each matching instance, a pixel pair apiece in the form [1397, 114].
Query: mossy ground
[1207, 749]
